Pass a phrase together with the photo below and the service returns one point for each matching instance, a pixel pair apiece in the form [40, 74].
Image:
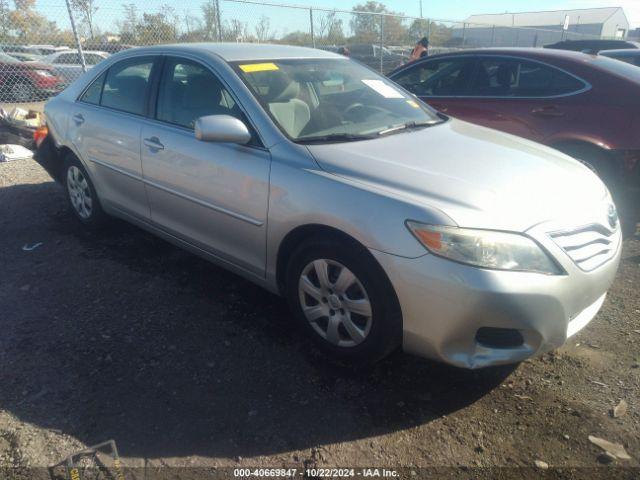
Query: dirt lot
[121, 335]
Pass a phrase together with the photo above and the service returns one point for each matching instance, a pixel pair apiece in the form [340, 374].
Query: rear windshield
[616, 67]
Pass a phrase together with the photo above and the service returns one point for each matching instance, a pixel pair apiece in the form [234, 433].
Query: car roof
[625, 51]
[524, 52]
[531, 52]
[232, 52]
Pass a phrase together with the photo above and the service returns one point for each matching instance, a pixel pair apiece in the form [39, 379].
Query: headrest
[202, 90]
[504, 75]
[282, 88]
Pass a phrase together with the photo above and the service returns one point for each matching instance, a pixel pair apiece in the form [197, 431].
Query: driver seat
[291, 112]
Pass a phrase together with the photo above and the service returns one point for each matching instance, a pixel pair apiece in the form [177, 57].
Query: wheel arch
[301, 233]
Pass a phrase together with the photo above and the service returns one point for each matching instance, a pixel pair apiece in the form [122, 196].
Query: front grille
[590, 246]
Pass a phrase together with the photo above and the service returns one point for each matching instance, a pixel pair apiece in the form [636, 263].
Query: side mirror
[221, 128]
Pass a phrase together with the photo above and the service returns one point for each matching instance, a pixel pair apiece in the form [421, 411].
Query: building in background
[541, 28]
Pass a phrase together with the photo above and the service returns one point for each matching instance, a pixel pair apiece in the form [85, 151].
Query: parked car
[44, 50]
[369, 54]
[26, 81]
[626, 55]
[586, 106]
[383, 223]
[68, 65]
[24, 57]
[592, 46]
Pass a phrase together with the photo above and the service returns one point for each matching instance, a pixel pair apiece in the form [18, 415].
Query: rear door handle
[78, 118]
[547, 112]
[153, 143]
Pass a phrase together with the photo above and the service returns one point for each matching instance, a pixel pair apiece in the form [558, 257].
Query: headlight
[484, 248]
[43, 73]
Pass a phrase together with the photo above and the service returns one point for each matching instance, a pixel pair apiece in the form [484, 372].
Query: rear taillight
[40, 134]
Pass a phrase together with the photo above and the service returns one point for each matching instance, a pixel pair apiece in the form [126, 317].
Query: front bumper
[444, 305]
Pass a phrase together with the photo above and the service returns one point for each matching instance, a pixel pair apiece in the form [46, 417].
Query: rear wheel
[81, 194]
[343, 300]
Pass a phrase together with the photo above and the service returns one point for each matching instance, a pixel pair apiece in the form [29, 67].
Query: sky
[283, 21]
[461, 9]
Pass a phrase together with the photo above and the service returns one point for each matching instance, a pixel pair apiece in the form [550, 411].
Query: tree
[262, 29]
[86, 9]
[29, 25]
[157, 27]
[235, 31]
[329, 30]
[366, 28]
[4, 20]
[210, 19]
[297, 38]
[128, 26]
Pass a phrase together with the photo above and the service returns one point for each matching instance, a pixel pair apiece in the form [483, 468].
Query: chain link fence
[46, 44]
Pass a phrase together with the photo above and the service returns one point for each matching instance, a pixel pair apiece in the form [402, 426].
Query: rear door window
[438, 78]
[126, 85]
[92, 94]
[512, 77]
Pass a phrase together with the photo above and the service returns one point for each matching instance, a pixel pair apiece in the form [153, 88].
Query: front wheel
[344, 301]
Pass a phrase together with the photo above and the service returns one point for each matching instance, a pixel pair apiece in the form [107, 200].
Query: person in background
[344, 51]
[420, 50]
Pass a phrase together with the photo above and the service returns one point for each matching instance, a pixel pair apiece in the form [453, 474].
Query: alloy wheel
[79, 192]
[335, 303]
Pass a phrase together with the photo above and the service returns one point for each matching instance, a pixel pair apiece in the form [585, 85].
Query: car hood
[480, 178]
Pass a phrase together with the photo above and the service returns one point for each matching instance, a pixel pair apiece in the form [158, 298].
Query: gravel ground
[121, 335]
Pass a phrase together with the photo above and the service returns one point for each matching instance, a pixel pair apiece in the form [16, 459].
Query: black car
[625, 55]
[592, 46]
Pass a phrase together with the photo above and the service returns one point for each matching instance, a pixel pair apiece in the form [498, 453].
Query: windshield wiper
[408, 126]
[336, 137]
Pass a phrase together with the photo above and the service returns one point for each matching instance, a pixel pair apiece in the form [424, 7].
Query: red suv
[25, 81]
[584, 105]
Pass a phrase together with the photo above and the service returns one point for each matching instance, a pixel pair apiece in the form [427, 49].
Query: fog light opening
[499, 337]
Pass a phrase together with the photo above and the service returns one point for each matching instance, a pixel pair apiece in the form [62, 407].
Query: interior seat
[291, 112]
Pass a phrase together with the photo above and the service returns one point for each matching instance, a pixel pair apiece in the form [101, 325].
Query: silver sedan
[383, 223]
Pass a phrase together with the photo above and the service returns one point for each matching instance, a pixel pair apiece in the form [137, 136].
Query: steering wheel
[358, 111]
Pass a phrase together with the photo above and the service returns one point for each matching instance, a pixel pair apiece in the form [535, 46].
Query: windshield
[331, 99]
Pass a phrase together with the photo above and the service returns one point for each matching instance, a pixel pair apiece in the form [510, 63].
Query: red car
[584, 105]
[25, 81]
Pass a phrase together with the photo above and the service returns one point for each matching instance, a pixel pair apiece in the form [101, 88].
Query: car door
[214, 195]
[441, 82]
[105, 126]
[523, 97]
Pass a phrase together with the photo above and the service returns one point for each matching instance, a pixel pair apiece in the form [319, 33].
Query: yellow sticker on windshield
[258, 67]
[413, 104]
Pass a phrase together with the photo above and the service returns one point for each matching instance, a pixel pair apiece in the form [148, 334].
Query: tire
[81, 194]
[344, 327]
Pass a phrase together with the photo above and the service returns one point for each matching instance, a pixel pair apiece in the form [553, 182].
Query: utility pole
[420, 8]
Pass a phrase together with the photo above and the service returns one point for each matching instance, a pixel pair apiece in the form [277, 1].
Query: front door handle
[547, 112]
[153, 143]
[78, 118]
